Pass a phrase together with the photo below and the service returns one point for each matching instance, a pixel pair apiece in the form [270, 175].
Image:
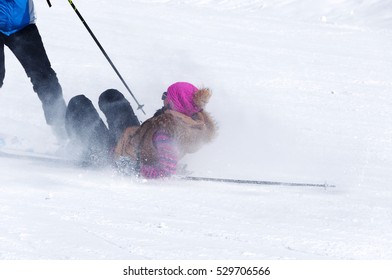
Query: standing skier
[151, 150]
[20, 34]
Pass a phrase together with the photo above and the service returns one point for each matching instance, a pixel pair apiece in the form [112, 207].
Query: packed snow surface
[302, 93]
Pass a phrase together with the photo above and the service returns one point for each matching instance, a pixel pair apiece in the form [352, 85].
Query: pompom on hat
[187, 99]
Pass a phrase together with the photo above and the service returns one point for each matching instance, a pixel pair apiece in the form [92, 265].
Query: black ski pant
[28, 48]
[86, 128]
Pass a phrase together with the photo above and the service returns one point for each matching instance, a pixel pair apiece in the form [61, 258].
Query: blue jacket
[15, 15]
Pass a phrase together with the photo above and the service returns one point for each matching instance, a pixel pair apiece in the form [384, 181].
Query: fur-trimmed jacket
[181, 135]
[188, 133]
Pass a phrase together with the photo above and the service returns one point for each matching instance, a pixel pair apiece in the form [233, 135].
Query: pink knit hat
[180, 97]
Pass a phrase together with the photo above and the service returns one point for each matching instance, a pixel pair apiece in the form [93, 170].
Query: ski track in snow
[300, 94]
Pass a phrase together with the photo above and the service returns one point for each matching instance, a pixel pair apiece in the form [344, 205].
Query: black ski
[255, 182]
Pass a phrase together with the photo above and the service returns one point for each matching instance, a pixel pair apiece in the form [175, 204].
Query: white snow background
[302, 93]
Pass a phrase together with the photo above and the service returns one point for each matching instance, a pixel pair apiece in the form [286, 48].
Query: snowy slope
[301, 93]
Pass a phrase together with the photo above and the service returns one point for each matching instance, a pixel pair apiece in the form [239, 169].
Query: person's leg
[87, 130]
[28, 47]
[118, 112]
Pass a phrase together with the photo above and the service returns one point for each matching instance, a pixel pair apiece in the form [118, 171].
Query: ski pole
[255, 182]
[140, 107]
[50, 4]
